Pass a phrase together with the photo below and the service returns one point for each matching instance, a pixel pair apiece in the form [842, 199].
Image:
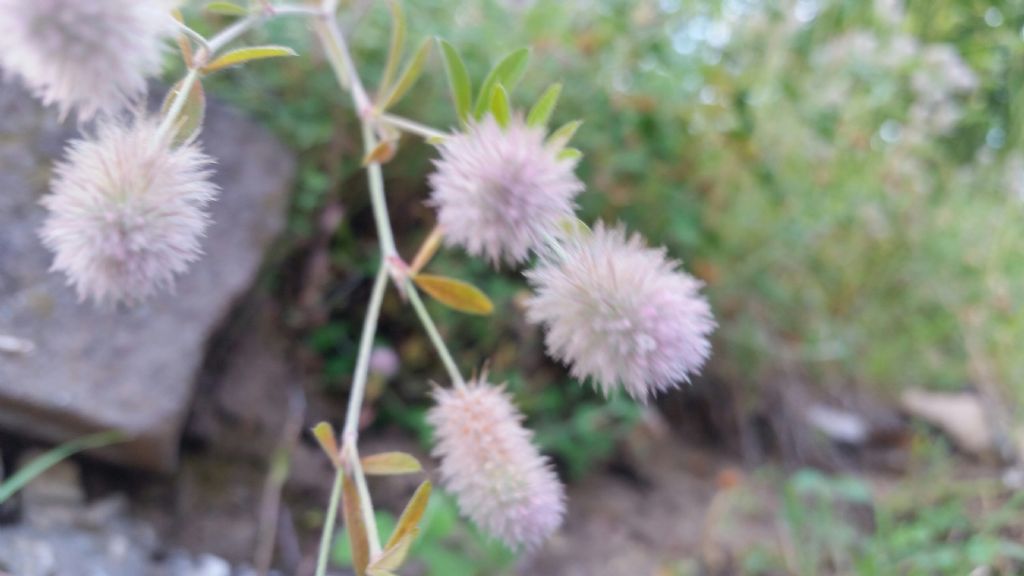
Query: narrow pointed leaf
[381, 154]
[499, 105]
[393, 557]
[564, 134]
[570, 154]
[408, 522]
[574, 227]
[508, 72]
[354, 526]
[190, 120]
[458, 80]
[396, 46]
[243, 55]
[455, 294]
[409, 76]
[427, 250]
[225, 9]
[48, 459]
[541, 111]
[390, 464]
[328, 441]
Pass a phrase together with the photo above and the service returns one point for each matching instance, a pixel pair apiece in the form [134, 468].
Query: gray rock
[131, 369]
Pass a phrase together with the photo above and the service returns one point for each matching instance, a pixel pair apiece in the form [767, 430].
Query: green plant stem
[434, 334]
[178, 104]
[341, 62]
[365, 502]
[412, 127]
[378, 200]
[330, 522]
[208, 49]
[355, 398]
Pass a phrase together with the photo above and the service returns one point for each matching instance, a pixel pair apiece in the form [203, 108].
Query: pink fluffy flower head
[87, 55]
[500, 190]
[127, 211]
[489, 462]
[620, 313]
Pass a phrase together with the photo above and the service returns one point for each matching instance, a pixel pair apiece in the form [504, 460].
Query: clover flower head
[127, 210]
[620, 313]
[490, 464]
[90, 56]
[499, 190]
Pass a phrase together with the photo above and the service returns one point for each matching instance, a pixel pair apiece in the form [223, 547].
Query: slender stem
[377, 197]
[341, 61]
[412, 127]
[208, 49]
[365, 502]
[435, 336]
[195, 36]
[344, 68]
[291, 9]
[232, 32]
[330, 522]
[178, 104]
[355, 397]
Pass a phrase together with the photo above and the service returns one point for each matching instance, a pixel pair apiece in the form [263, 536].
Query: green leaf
[390, 464]
[52, 457]
[409, 76]
[458, 80]
[455, 294]
[396, 46]
[328, 440]
[541, 111]
[225, 9]
[190, 120]
[564, 134]
[243, 55]
[392, 557]
[355, 526]
[570, 154]
[508, 72]
[573, 226]
[499, 105]
[408, 522]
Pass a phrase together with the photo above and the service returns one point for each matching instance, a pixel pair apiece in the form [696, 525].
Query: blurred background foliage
[847, 177]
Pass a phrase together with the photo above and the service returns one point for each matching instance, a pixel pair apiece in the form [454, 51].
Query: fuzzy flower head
[620, 313]
[499, 190]
[127, 211]
[489, 463]
[87, 55]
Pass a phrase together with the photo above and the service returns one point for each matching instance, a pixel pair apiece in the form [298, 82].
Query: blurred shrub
[846, 176]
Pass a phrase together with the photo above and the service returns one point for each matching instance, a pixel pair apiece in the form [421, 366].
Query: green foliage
[934, 530]
[54, 456]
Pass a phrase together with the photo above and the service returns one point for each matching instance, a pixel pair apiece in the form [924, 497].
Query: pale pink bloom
[127, 211]
[88, 55]
[620, 313]
[384, 362]
[499, 191]
[489, 463]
